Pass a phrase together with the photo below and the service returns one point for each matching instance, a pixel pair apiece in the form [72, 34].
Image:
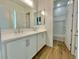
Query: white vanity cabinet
[41, 40]
[16, 49]
[22, 49]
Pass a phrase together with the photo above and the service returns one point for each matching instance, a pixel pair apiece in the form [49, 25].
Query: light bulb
[70, 2]
[43, 13]
[58, 5]
[28, 2]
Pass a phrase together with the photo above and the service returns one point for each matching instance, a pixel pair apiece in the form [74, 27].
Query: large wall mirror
[18, 14]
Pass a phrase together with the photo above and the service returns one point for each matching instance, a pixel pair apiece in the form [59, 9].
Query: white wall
[58, 28]
[59, 22]
[48, 6]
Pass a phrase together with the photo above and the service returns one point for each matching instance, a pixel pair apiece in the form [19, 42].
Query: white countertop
[11, 36]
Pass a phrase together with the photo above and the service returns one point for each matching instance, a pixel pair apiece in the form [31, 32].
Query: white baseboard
[59, 37]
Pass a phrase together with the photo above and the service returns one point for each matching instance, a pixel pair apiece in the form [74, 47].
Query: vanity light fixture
[28, 2]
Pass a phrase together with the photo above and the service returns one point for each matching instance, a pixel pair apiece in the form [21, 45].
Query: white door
[32, 46]
[41, 40]
[22, 49]
[76, 48]
[75, 29]
[69, 25]
[0, 45]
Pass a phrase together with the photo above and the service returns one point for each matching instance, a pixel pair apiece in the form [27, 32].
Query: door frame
[69, 25]
[74, 26]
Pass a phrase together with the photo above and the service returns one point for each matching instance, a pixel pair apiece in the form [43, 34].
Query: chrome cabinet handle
[27, 42]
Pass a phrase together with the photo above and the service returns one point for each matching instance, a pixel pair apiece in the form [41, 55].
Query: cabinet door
[32, 46]
[22, 49]
[17, 50]
[0, 54]
[41, 40]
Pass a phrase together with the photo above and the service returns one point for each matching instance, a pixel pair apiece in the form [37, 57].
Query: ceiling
[61, 2]
[21, 3]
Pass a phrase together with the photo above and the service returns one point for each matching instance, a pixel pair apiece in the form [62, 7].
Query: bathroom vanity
[23, 45]
[23, 31]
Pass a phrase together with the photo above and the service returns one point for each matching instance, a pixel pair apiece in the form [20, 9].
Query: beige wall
[48, 6]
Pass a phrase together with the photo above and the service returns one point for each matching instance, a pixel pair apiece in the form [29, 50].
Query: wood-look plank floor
[59, 51]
